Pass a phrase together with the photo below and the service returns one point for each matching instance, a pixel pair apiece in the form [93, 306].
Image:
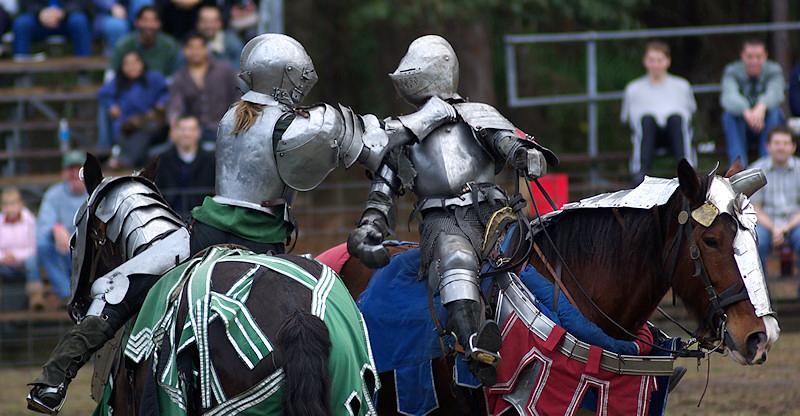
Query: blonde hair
[246, 115]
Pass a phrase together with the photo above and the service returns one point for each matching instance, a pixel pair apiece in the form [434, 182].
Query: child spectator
[223, 44]
[185, 171]
[43, 18]
[134, 100]
[18, 245]
[158, 50]
[54, 226]
[752, 93]
[204, 88]
[659, 107]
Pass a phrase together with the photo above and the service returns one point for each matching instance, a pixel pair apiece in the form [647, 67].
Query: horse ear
[92, 173]
[689, 182]
[151, 170]
[735, 168]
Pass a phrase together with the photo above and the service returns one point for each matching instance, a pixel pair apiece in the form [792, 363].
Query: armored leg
[73, 351]
[456, 267]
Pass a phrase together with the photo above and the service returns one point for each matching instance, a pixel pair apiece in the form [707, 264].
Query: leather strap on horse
[556, 275]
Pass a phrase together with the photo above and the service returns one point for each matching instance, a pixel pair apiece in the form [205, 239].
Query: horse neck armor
[134, 214]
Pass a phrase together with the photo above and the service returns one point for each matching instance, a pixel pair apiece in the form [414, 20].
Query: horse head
[110, 227]
[718, 273]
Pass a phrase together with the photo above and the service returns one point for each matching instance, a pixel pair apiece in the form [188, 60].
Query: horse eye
[711, 242]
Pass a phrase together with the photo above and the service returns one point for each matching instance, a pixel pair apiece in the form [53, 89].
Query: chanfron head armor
[276, 67]
[429, 68]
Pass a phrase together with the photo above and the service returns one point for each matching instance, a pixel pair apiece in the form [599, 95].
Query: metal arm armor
[322, 136]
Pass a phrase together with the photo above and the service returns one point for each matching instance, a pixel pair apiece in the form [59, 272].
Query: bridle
[715, 317]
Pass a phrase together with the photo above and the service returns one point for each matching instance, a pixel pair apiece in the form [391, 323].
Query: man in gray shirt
[54, 227]
[659, 107]
[778, 203]
[752, 92]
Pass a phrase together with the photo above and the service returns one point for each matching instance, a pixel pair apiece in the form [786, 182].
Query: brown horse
[621, 262]
[305, 355]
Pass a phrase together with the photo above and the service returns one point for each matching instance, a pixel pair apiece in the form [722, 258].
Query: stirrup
[36, 404]
[484, 346]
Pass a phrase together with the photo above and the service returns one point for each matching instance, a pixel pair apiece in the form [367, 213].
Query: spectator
[134, 100]
[659, 107]
[43, 18]
[158, 50]
[223, 44]
[180, 16]
[204, 88]
[110, 22]
[778, 203]
[55, 224]
[186, 172]
[18, 245]
[752, 92]
[794, 91]
[8, 8]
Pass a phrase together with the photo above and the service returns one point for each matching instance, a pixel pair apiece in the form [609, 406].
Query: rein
[683, 352]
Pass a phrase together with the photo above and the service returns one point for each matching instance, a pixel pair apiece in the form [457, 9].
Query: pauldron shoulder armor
[320, 137]
[482, 116]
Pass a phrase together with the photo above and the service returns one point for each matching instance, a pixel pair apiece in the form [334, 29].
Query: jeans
[29, 269]
[111, 29]
[738, 134]
[765, 243]
[75, 26]
[57, 266]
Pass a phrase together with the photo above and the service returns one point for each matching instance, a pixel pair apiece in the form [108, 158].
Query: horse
[618, 264]
[310, 357]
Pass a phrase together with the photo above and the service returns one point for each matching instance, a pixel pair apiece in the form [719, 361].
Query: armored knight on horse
[268, 147]
[450, 166]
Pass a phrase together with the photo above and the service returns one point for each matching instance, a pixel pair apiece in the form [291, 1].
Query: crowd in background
[659, 106]
[172, 75]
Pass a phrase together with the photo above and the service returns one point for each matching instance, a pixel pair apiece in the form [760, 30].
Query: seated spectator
[778, 203]
[659, 107]
[180, 16]
[42, 18]
[158, 50]
[18, 246]
[134, 101]
[223, 44]
[55, 224]
[752, 93]
[794, 91]
[204, 88]
[110, 22]
[185, 171]
[8, 8]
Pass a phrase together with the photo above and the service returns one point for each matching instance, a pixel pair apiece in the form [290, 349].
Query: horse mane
[620, 248]
[603, 240]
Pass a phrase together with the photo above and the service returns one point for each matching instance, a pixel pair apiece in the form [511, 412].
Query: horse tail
[305, 343]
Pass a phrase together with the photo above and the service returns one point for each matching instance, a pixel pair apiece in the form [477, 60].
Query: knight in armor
[269, 147]
[450, 165]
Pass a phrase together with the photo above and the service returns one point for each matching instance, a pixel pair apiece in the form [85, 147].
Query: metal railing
[592, 97]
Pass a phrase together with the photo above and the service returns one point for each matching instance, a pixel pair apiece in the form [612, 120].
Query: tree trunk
[473, 44]
[780, 40]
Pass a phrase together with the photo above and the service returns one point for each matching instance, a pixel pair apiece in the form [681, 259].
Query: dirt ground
[771, 389]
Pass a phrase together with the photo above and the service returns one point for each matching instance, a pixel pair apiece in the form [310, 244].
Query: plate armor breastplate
[447, 159]
[246, 169]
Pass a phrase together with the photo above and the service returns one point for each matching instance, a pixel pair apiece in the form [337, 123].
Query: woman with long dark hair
[134, 101]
